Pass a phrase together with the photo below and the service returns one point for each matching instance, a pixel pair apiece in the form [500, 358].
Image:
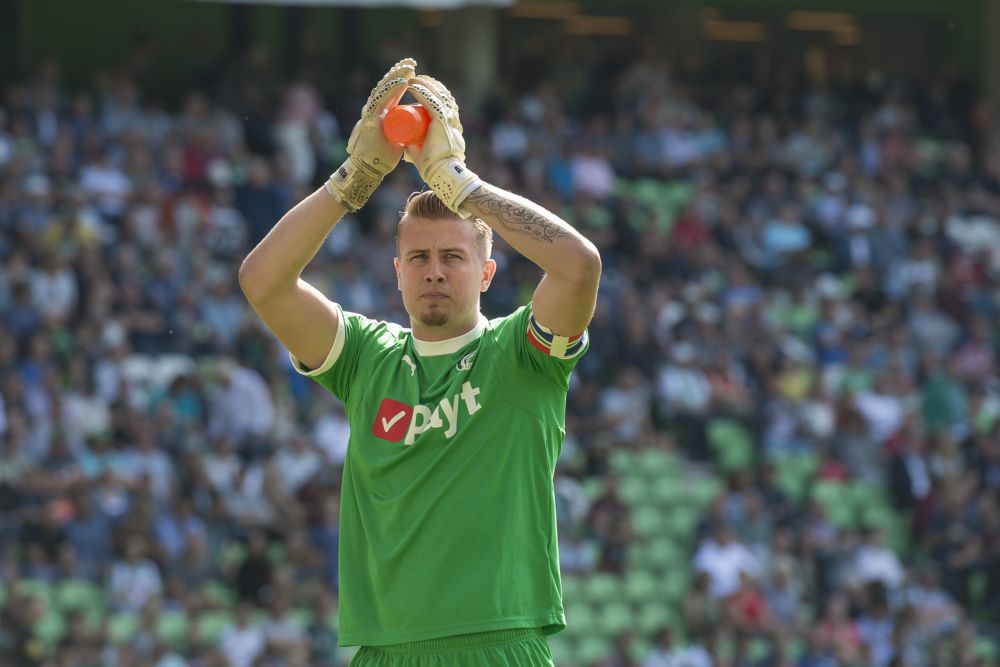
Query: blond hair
[426, 204]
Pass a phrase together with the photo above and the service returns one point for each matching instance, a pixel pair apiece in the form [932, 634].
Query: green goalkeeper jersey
[447, 515]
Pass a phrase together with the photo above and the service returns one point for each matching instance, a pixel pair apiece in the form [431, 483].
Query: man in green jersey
[448, 549]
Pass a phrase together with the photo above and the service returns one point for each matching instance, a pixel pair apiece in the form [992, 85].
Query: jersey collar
[427, 348]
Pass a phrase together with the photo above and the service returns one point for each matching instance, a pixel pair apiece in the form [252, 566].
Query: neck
[432, 334]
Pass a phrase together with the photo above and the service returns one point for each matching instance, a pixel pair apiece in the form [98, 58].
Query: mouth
[434, 296]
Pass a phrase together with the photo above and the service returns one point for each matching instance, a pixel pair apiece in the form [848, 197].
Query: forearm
[279, 259]
[536, 233]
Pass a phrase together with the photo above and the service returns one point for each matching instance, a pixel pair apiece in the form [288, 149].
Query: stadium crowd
[799, 308]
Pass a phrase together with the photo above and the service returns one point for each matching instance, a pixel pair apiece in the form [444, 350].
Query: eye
[452, 255]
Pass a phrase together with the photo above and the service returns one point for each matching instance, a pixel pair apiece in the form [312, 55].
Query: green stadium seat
[640, 586]
[172, 628]
[659, 465]
[217, 593]
[654, 615]
[51, 627]
[562, 652]
[665, 554]
[680, 522]
[300, 617]
[602, 587]
[79, 595]
[647, 522]
[122, 625]
[675, 583]
[669, 494]
[211, 625]
[702, 490]
[592, 649]
[759, 649]
[593, 487]
[580, 619]
[986, 650]
[35, 588]
[623, 462]
[615, 618]
[634, 491]
[572, 589]
[731, 443]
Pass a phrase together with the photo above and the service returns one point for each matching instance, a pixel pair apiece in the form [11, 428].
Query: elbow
[586, 269]
[250, 280]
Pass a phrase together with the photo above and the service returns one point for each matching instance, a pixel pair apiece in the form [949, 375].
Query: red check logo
[392, 420]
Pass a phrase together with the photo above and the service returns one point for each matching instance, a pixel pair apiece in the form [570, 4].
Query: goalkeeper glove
[370, 155]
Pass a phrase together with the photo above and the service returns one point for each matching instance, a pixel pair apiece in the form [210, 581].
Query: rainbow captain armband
[560, 347]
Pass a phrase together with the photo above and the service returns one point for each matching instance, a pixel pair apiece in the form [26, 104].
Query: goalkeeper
[448, 524]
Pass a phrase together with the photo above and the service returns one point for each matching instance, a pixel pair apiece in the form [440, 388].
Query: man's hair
[428, 205]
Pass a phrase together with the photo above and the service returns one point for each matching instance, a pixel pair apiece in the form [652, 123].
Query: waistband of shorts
[469, 641]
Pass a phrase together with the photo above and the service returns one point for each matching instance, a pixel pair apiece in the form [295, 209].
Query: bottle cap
[406, 124]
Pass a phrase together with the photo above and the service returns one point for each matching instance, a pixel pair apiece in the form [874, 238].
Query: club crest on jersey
[466, 362]
[400, 422]
[409, 362]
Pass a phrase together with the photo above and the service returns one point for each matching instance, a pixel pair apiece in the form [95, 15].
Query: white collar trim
[428, 348]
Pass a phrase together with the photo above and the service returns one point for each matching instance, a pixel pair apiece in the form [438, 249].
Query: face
[441, 273]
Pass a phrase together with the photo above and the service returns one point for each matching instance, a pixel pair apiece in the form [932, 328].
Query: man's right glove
[441, 158]
[370, 155]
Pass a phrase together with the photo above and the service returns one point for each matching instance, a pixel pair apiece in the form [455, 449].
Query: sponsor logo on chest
[401, 422]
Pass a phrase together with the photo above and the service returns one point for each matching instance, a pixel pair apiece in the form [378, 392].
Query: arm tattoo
[516, 216]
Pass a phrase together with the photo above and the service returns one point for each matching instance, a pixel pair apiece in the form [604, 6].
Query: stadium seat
[675, 583]
[634, 491]
[702, 490]
[571, 587]
[664, 554]
[614, 618]
[211, 625]
[602, 587]
[592, 649]
[659, 464]
[301, 617]
[122, 625]
[36, 588]
[580, 619]
[731, 443]
[647, 521]
[51, 628]
[561, 649]
[219, 594]
[593, 487]
[680, 522]
[654, 615]
[640, 586]
[622, 461]
[172, 628]
[79, 595]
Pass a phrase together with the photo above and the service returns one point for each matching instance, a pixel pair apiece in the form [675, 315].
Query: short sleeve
[535, 348]
[356, 338]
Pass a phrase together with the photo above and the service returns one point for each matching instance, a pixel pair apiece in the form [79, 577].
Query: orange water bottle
[406, 124]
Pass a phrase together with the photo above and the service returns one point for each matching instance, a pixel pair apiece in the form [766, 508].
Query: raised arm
[565, 298]
[297, 313]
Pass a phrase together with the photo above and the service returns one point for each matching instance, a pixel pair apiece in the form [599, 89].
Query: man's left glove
[370, 155]
[441, 158]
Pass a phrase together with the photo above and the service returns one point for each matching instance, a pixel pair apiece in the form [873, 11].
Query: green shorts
[521, 647]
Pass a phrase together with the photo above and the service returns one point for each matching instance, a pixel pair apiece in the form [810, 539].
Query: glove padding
[370, 155]
[441, 158]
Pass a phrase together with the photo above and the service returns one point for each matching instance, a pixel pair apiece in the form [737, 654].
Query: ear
[489, 270]
[399, 282]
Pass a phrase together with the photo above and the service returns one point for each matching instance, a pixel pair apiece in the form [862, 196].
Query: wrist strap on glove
[353, 183]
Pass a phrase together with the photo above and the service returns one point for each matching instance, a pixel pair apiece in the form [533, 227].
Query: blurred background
[783, 447]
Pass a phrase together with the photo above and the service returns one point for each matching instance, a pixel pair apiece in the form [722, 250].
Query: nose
[434, 273]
